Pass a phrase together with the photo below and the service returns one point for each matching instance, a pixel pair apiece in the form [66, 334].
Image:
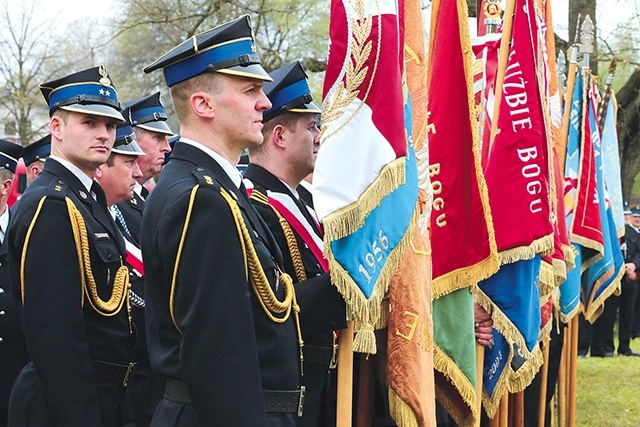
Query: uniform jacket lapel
[200, 158]
[263, 177]
[85, 197]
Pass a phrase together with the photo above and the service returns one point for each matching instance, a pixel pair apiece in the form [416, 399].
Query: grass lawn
[609, 390]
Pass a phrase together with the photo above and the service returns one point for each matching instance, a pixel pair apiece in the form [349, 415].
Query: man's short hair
[286, 120]
[63, 114]
[209, 82]
[6, 174]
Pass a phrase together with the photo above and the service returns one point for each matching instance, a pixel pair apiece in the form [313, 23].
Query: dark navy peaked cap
[229, 49]
[289, 92]
[125, 142]
[38, 150]
[89, 91]
[147, 113]
[9, 155]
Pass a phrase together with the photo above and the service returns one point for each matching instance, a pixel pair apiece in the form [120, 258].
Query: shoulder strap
[57, 190]
[205, 178]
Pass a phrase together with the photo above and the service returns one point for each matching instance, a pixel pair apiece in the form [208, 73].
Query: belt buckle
[303, 390]
[128, 374]
[334, 354]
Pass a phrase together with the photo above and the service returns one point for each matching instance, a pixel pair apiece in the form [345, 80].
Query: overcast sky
[610, 12]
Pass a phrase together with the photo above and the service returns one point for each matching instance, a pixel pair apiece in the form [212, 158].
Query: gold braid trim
[292, 243]
[121, 285]
[26, 245]
[120, 290]
[259, 280]
[260, 283]
[192, 199]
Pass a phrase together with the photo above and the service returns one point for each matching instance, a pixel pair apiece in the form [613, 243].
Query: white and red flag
[365, 178]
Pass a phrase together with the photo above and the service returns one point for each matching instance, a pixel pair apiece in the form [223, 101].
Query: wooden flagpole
[503, 58]
[364, 407]
[544, 376]
[344, 403]
[479, 369]
[504, 410]
[586, 48]
[572, 373]
[568, 96]
[563, 381]
[491, 22]
[606, 97]
[501, 417]
[561, 149]
[518, 410]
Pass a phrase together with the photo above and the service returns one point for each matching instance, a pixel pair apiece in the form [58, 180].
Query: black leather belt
[274, 400]
[113, 371]
[318, 355]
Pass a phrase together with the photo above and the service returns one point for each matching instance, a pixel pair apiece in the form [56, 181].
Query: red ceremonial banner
[587, 225]
[461, 227]
[517, 170]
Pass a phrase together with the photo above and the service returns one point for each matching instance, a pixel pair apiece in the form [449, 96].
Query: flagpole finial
[586, 36]
[613, 64]
[492, 11]
[573, 50]
[576, 39]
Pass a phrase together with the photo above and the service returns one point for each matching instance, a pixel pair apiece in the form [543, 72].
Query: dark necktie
[144, 192]
[305, 211]
[100, 196]
[103, 211]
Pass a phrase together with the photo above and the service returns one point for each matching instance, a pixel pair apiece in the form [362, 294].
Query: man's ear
[99, 173]
[202, 105]
[279, 136]
[56, 126]
[6, 186]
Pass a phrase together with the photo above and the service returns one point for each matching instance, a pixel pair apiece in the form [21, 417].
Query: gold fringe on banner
[569, 256]
[367, 312]
[545, 331]
[559, 271]
[565, 318]
[471, 275]
[591, 244]
[400, 411]
[543, 245]
[547, 278]
[446, 366]
[595, 307]
[464, 277]
[520, 379]
[350, 218]
[492, 403]
[502, 323]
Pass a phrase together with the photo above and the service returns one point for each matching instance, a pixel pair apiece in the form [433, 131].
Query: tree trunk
[629, 131]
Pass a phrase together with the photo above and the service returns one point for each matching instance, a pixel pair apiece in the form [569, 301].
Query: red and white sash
[285, 205]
